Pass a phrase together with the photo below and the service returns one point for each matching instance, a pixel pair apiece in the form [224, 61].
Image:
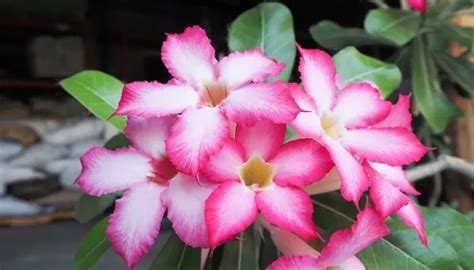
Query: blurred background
[43, 131]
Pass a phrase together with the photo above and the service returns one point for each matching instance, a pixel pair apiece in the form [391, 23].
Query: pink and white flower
[151, 184]
[340, 250]
[389, 184]
[345, 123]
[206, 93]
[256, 172]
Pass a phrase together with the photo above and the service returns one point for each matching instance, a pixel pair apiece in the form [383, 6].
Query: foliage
[354, 66]
[98, 92]
[447, 232]
[331, 35]
[176, 255]
[432, 102]
[269, 27]
[92, 247]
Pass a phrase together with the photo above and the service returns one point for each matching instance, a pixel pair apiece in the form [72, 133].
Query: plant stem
[380, 4]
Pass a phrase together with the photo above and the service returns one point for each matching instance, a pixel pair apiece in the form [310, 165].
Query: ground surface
[52, 247]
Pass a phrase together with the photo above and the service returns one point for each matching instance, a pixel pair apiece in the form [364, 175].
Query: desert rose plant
[211, 151]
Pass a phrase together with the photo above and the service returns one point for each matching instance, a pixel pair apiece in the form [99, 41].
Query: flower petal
[294, 263]
[105, 171]
[239, 68]
[197, 134]
[301, 163]
[361, 105]
[399, 115]
[387, 198]
[344, 244]
[149, 134]
[289, 208]
[396, 176]
[353, 263]
[307, 124]
[393, 146]
[354, 180]
[150, 99]
[289, 243]
[135, 223]
[190, 57]
[411, 216]
[225, 164]
[184, 200]
[251, 139]
[304, 101]
[230, 209]
[330, 182]
[260, 101]
[318, 75]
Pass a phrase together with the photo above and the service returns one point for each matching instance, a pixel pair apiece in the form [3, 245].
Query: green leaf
[432, 102]
[268, 26]
[449, 236]
[117, 141]
[460, 70]
[240, 255]
[92, 247]
[90, 207]
[268, 251]
[445, 8]
[354, 66]
[98, 92]
[440, 254]
[455, 229]
[464, 36]
[330, 35]
[177, 255]
[333, 213]
[397, 25]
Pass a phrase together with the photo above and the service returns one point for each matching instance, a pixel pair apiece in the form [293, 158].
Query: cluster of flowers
[208, 149]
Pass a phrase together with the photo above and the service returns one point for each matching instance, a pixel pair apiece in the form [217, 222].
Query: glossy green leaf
[268, 26]
[92, 247]
[117, 141]
[90, 207]
[455, 229]
[460, 70]
[330, 35]
[397, 25]
[98, 92]
[333, 213]
[176, 255]
[449, 236]
[439, 256]
[354, 66]
[240, 255]
[432, 102]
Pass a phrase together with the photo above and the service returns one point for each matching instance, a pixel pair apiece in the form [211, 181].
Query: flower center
[214, 93]
[332, 125]
[256, 174]
[163, 171]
